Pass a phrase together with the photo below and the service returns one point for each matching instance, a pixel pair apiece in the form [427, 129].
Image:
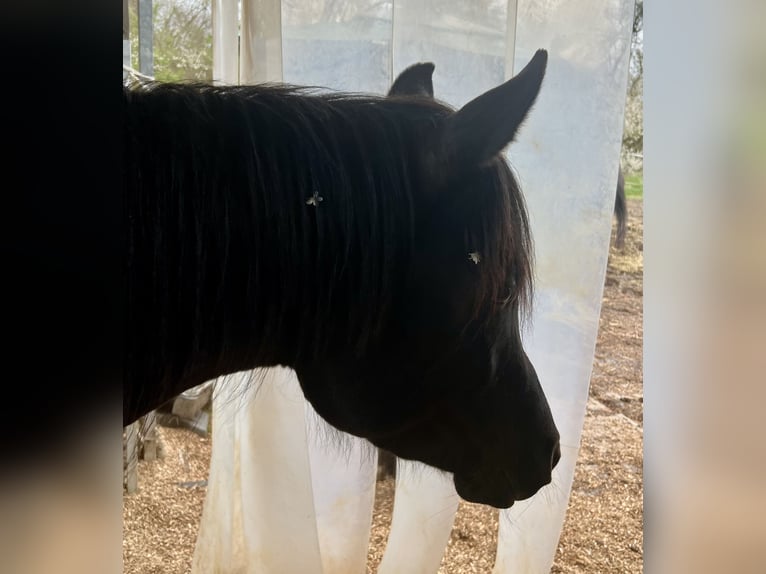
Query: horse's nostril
[556, 456]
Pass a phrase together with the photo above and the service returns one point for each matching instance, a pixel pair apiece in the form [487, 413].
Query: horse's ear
[414, 81]
[488, 123]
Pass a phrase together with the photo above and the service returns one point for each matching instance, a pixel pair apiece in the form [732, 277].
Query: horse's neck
[215, 234]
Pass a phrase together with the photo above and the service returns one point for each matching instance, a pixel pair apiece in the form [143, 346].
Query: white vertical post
[145, 38]
[424, 511]
[261, 42]
[225, 15]
[343, 481]
[566, 156]
[258, 515]
[510, 37]
[131, 457]
[125, 38]
[149, 435]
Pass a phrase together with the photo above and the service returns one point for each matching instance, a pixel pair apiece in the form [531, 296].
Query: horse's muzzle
[501, 488]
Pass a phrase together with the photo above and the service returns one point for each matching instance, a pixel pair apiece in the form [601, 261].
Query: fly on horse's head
[379, 246]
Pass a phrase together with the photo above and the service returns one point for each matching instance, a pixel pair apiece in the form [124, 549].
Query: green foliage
[634, 186]
[183, 39]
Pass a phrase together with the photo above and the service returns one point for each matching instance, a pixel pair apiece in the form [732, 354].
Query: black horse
[620, 210]
[379, 246]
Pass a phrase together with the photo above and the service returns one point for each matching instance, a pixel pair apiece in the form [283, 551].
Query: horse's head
[447, 381]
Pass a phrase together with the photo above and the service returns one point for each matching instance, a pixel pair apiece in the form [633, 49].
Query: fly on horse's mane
[379, 246]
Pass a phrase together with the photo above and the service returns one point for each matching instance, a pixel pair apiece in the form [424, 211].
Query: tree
[633, 133]
[183, 39]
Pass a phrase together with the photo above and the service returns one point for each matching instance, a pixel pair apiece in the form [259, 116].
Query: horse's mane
[217, 184]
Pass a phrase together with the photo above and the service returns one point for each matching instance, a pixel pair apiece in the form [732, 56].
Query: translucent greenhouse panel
[341, 45]
[567, 159]
[465, 40]
[225, 14]
[259, 503]
[261, 44]
[280, 480]
[425, 504]
[343, 473]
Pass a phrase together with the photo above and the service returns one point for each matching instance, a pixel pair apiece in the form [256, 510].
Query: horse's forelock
[503, 238]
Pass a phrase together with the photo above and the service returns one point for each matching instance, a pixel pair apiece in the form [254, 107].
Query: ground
[603, 532]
